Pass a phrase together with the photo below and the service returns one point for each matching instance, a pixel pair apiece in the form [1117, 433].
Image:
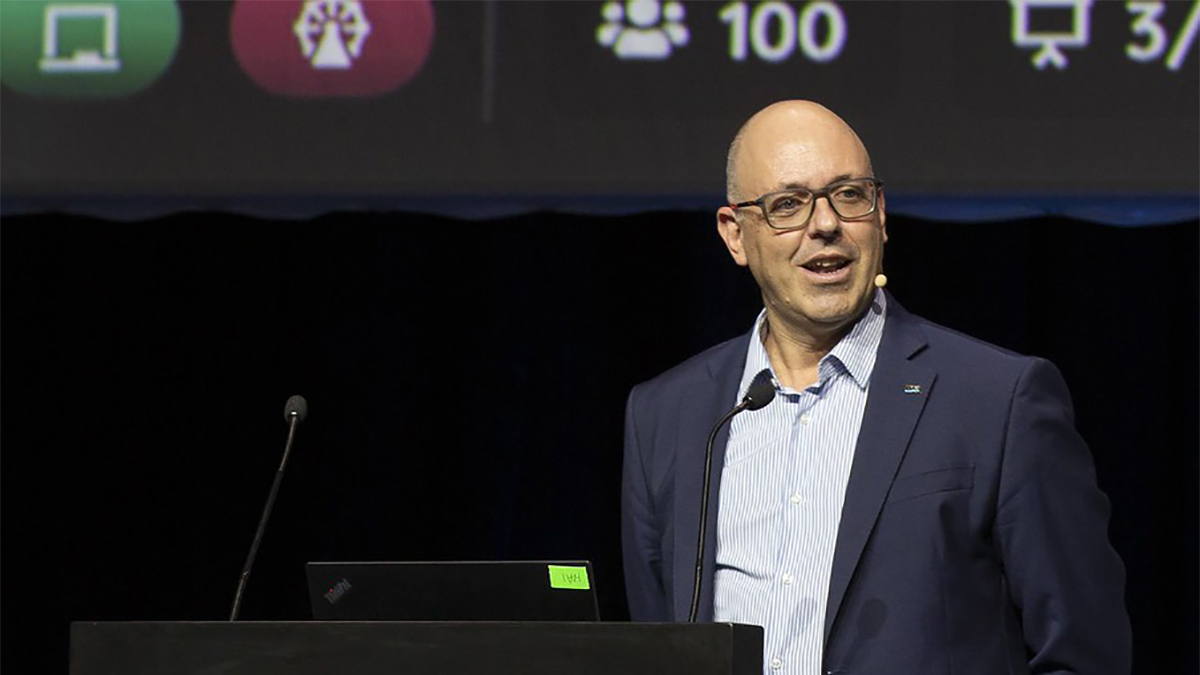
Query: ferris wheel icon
[332, 32]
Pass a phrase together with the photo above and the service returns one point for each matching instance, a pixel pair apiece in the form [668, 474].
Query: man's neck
[796, 352]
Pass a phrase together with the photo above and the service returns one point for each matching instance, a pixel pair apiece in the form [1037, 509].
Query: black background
[466, 383]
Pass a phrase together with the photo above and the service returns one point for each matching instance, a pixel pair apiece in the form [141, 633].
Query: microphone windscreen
[761, 391]
[296, 407]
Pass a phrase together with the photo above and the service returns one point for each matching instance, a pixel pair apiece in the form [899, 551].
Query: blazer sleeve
[1064, 578]
[641, 535]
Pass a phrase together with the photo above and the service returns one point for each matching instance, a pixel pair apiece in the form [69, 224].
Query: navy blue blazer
[973, 537]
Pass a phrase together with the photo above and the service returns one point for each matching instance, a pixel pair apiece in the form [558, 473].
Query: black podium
[413, 648]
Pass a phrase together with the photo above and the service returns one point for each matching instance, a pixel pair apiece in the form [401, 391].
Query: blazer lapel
[712, 395]
[899, 389]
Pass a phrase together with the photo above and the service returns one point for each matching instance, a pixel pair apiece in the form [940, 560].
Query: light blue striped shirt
[785, 476]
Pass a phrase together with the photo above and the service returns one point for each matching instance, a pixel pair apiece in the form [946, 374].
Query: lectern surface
[392, 648]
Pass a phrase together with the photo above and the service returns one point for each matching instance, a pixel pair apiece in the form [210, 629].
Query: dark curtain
[466, 382]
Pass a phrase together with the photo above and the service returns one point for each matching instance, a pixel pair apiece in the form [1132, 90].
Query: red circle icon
[319, 48]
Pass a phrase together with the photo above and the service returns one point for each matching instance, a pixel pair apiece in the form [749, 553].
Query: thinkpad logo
[339, 589]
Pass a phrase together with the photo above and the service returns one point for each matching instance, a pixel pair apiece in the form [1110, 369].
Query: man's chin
[833, 313]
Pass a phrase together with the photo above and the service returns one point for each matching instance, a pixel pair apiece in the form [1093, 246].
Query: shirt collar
[854, 354]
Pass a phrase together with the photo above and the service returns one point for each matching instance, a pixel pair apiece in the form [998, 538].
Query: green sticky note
[569, 576]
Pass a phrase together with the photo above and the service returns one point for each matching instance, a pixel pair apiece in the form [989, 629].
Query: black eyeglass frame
[816, 194]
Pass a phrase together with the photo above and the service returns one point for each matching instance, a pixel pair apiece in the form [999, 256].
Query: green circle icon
[86, 48]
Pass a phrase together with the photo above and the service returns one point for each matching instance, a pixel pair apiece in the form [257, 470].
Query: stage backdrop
[472, 108]
[466, 383]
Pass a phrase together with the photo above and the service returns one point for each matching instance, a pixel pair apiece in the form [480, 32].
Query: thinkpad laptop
[452, 591]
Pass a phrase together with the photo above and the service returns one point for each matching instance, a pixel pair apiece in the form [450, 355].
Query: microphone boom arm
[294, 421]
[708, 460]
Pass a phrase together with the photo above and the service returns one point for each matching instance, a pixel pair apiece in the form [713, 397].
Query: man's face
[819, 278]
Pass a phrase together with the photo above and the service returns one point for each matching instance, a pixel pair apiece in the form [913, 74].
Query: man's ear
[882, 214]
[731, 233]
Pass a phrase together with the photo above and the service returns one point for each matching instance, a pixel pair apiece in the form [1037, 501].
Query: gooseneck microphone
[760, 393]
[294, 412]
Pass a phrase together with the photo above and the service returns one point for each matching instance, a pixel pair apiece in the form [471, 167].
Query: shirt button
[776, 664]
[788, 578]
[795, 498]
[805, 418]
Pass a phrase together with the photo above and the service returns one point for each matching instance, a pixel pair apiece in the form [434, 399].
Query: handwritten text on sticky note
[569, 577]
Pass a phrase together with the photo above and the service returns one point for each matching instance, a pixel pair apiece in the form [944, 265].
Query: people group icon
[642, 29]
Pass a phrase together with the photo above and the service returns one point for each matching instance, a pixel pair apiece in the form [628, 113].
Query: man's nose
[825, 221]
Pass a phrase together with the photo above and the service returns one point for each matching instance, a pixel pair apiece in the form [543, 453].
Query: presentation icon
[332, 34]
[86, 48]
[331, 48]
[642, 29]
[99, 57]
[1049, 42]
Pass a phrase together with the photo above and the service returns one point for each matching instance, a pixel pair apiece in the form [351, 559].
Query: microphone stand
[760, 393]
[294, 421]
[708, 460]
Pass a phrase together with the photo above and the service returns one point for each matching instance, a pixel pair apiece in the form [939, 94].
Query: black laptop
[453, 591]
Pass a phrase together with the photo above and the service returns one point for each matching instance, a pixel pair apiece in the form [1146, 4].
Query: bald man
[912, 500]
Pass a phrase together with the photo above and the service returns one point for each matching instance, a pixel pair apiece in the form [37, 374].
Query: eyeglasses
[791, 209]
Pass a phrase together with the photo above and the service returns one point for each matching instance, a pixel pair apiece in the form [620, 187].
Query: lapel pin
[912, 389]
